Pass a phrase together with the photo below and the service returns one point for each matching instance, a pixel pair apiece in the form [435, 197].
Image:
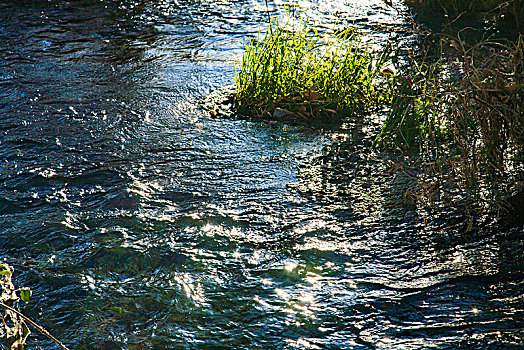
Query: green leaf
[25, 294]
[5, 269]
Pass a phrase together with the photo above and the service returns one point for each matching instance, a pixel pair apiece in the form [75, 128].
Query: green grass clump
[414, 117]
[301, 74]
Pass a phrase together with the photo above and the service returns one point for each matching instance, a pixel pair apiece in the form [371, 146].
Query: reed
[463, 115]
[486, 115]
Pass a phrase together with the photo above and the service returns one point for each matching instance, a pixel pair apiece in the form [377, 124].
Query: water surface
[139, 223]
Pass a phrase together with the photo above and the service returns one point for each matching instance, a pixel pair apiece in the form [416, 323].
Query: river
[140, 223]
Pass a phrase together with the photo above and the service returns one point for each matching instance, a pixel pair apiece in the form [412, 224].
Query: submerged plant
[298, 73]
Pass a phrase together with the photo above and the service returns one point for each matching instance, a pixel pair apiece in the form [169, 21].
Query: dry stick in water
[39, 328]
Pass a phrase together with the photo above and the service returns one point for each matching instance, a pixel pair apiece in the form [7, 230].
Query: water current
[139, 223]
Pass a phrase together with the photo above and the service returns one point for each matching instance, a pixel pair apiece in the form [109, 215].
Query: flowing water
[139, 223]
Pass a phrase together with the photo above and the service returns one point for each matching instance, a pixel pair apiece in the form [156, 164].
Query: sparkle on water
[139, 223]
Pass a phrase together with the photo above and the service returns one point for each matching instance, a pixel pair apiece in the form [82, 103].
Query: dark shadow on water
[140, 223]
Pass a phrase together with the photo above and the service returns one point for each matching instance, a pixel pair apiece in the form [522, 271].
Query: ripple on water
[140, 223]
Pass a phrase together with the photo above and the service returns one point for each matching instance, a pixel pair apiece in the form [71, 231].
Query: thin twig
[39, 328]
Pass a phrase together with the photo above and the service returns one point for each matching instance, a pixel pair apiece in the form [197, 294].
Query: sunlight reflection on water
[146, 224]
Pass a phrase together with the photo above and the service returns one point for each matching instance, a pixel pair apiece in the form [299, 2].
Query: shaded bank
[453, 106]
[483, 13]
[140, 223]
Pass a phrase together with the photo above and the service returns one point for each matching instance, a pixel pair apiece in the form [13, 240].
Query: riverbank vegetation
[13, 327]
[455, 108]
[297, 73]
[462, 118]
[513, 10]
